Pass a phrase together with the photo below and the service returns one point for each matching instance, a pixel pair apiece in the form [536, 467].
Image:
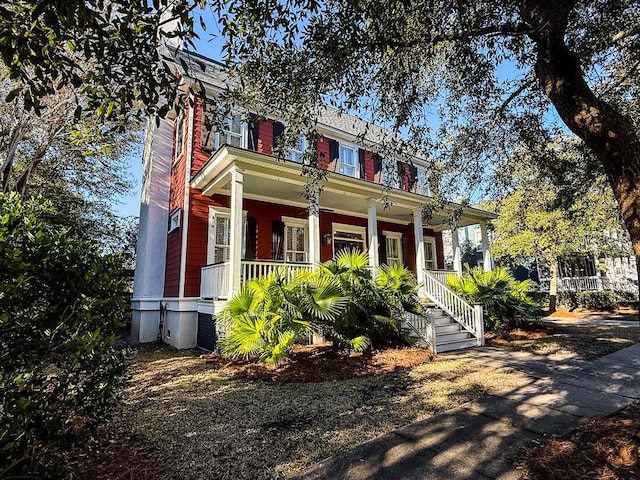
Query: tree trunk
[553, 286]
[608, 133]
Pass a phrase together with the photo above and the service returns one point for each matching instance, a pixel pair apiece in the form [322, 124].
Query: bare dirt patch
[319, 363]
[606, 449]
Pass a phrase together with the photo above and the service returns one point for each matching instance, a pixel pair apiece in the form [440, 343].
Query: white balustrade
[214, 281]
[259, 268]
[579, 284]
[454, 305]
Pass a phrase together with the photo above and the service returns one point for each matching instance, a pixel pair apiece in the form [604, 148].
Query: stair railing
[424, 327]
[467, 315]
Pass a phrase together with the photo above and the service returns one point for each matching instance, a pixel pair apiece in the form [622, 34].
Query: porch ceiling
[268, 179]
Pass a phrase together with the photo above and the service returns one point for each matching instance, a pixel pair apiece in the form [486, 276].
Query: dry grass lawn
[202, 424]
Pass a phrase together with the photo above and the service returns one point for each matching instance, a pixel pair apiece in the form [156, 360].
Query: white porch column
[487, 260]
[457, 252]
[418, 235]
[235, 242]
[314, 228]
[372, 214]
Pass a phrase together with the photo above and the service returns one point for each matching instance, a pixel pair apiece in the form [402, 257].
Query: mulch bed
[319, 363]
[528, 331]
[603, 449]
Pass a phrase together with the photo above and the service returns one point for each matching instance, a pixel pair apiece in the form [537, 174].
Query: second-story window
[296, 153]
[349, 161]
[234, 132]
[423, 181]
[390, 176]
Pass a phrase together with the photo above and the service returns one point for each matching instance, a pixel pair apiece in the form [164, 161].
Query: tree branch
[630, 32]
[500, 110]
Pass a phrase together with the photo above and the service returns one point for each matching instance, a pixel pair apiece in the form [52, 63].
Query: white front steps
[450, 335]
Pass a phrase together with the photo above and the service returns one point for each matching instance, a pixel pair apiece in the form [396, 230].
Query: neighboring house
[218, 209]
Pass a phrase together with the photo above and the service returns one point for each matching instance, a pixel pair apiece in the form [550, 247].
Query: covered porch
[345, 212]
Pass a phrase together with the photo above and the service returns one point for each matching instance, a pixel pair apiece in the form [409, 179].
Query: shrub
[568, 300]
[506, 301]
[341, 300]
[597, 300]
[375, 308]
[624, 297]
[60, 304]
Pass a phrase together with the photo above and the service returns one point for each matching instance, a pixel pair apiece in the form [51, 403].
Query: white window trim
[423, 188]
[180, 132]
[390, 165]
[396, 236]
[244, 134]
[296, 222]
[305, 146]
[356, 159]
[432, 241]
[343, 227]
[225, 212]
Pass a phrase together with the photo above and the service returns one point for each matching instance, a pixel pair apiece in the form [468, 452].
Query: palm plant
[506, 301]
[270, 313]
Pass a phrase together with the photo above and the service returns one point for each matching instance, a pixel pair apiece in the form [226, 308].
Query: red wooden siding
[200, 156]
[172, 269]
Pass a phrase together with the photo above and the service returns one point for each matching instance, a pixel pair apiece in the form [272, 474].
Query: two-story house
[218, 209]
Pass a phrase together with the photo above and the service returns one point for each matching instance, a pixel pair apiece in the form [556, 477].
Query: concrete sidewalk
[480, 439]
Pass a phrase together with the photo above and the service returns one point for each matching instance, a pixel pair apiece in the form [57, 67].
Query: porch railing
[259, 268]
[467, 315]
[214, 281]
[441, 275]
[578, 284]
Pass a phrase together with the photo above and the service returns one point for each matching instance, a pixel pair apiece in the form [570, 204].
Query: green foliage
[372, 316]
[506, 301]
[568, 299]
[597, 300]
[624, 297]
[60, 304]
[270, 313]
[340, 300]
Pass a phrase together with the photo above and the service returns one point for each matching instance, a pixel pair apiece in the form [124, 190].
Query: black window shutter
[277, 228]
[414, 176]
[278, 131]
[254, 122]
[401, 175]
[334, 152]
[382, 249]
[362, 162]
[251, 237]
[377, 164]
[405, 249]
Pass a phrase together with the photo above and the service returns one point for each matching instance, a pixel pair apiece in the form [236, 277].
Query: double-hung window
[296, 233]
[296, 153]
[390, 177]
[218, 246]
[349, 161]
[393, 245]
[234, 132]
[430, 253]
[423, 181]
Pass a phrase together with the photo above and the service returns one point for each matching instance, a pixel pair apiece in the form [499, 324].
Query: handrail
[454, 305]
[422, 326]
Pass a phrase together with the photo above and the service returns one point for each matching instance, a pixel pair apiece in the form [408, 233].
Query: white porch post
[418, 235]
[314, 228]
[457, 252]
[235, 242]
[487, 260]
[374, 258]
